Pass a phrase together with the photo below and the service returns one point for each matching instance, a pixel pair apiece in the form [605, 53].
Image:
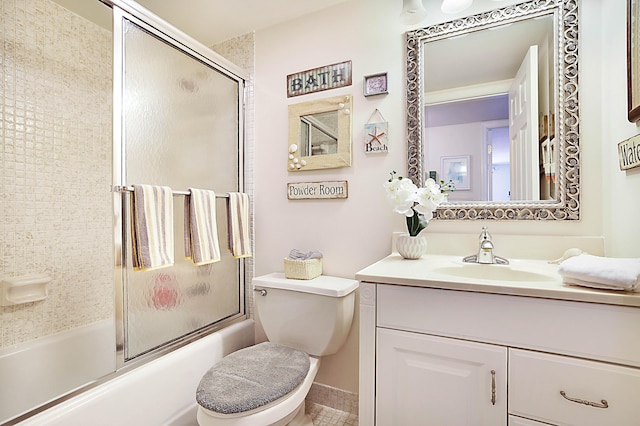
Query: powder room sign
[629, 153]
[317, 190]
[319, 79]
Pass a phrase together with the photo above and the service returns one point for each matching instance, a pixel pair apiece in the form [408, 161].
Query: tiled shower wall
[55, 166]
[241, 51]
[56, 163]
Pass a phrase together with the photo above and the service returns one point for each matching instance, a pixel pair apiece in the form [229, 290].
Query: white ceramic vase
[411, 247]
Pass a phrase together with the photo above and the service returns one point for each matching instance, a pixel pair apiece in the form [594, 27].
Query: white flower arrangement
[417, 204]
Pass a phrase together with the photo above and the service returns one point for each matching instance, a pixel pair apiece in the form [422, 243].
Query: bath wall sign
[629, 153]
[317, 190]
[319, 79]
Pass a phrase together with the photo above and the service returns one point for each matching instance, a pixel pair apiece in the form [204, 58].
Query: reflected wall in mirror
[320, 134]
[505, 101]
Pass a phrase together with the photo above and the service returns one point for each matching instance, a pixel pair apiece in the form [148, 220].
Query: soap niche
[24, 289]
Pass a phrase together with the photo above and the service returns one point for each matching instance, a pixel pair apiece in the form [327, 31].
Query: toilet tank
[314, 316]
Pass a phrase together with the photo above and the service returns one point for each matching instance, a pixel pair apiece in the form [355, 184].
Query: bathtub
[35, 372]
[161, 392]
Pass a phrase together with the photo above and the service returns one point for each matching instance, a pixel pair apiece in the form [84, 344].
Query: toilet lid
[252, 377]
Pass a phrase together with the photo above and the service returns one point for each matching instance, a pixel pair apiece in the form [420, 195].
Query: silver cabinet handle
[493, 387]
[262, 291]
[602, 404]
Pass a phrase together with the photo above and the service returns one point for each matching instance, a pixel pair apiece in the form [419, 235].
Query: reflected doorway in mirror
[319, 133]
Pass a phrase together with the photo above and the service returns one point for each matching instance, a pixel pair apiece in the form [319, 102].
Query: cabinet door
[435, 381]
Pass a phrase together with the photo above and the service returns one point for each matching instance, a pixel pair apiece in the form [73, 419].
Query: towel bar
[120, 188]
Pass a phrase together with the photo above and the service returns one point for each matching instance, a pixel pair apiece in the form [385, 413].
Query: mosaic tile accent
[338, 399]
[239, 50]
[326, 416]
[55, 166]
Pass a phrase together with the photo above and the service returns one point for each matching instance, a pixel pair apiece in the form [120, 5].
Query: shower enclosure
[88, 110]
[178, 123]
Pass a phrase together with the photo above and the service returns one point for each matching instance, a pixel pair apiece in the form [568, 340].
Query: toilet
[267, 384]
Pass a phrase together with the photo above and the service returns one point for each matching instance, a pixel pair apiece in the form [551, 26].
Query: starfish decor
[375, 136]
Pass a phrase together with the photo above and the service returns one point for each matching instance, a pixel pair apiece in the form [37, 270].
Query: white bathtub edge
[153, 393]
[42, 369]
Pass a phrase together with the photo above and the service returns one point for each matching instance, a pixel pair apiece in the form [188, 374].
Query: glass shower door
[181, 127]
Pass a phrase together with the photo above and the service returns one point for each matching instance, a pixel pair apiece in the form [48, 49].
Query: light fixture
[455, 6]
[412, 11]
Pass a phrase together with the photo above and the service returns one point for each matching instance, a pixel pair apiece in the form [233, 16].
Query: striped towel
[152, 227]
[238, 225]
[200, 230]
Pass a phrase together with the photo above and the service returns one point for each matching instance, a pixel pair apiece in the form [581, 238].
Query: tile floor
[325, 416]
[320, 415]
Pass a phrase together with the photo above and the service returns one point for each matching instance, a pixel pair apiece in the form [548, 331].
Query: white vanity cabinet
[431, 380]
[441, 356]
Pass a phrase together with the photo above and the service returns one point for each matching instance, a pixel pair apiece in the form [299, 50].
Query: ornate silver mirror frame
[566, 206]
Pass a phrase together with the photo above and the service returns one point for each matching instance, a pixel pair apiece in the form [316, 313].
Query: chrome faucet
[485, 252]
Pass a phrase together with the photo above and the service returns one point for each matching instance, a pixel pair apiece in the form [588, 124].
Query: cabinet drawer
[595, 393]
[522, 322]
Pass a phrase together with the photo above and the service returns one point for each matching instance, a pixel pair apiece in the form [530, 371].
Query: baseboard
[333, 397]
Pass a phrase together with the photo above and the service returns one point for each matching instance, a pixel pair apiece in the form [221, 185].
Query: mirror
[320, 134]
[510, 114]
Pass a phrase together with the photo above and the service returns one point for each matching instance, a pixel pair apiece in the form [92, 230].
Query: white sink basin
[492, 273]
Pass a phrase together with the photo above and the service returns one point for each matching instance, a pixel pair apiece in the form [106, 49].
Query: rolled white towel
[602, 272]
[296, 254]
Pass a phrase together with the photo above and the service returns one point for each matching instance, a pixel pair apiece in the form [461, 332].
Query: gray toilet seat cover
[252, 377]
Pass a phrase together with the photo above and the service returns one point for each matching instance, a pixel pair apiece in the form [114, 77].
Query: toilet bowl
[304, 319]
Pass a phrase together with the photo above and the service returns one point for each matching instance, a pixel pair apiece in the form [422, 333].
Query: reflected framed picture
[375, 84]
[455, 169]
[633, 60]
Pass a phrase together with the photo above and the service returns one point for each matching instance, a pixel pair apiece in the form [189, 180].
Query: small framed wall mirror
[320, 134]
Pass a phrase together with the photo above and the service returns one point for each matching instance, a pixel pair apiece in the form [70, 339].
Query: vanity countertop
[449, 272]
